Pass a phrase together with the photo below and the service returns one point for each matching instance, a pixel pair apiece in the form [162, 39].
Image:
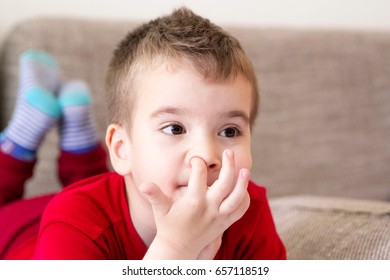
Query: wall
[346, 14]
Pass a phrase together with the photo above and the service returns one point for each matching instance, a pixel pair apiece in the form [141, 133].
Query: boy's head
[180, 38]
[179, 88]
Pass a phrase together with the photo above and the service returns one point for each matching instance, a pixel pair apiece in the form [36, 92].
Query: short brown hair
[181, 36]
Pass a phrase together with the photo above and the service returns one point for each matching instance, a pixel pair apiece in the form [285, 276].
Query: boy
[182, 98]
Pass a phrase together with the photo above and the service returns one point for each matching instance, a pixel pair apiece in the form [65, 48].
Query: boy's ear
[118, 146]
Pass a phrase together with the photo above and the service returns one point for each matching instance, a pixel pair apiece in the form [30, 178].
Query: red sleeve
[60, 241]
[88, 220]
[74, 221]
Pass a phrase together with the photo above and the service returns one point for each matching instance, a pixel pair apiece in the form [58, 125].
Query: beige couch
[321, 145]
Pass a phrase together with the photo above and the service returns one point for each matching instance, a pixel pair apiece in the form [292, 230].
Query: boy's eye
[230, 132]
[173, 129]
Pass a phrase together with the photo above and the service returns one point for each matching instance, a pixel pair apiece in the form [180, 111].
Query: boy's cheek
[243, 159]
[242, 162]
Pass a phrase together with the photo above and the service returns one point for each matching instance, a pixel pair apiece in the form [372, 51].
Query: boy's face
[179, 115]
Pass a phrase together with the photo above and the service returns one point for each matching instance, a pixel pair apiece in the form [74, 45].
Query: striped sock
[77, 128]
[36, 108]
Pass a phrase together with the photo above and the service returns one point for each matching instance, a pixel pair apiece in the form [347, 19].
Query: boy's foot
[77, 128]
[36, 107]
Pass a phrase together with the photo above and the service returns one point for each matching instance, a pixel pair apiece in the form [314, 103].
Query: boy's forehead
[166, 69]
[184, 77]
[168, 81]
[187, 88]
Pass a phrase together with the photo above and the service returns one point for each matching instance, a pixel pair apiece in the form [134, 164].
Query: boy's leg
[35, 113]
[13, 173]
[81, 155]
[74, 167]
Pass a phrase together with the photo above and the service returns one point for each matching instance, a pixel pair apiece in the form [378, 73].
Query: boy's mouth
[181, 189]
[186, 186]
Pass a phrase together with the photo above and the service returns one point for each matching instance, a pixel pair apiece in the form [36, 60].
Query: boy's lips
[184, 181]
[184, 184]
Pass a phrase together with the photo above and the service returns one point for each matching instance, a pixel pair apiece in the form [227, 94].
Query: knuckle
[194, 204]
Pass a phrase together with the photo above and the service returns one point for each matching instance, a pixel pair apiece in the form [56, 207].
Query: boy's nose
[208, 153]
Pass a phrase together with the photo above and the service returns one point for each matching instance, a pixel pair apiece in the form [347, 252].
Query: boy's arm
[189, 226]
[60, 241]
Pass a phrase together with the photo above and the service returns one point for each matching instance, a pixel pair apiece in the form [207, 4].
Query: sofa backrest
[324, 124]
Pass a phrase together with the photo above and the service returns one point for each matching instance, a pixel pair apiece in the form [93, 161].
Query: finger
[225, 183]
[197, 183]
[159, 201]
[235, 198]
[240, 210]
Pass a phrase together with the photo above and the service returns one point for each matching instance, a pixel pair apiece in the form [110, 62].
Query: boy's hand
[209, 252]
[194, 221]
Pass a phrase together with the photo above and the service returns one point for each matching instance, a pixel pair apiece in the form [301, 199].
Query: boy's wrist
[161, 249]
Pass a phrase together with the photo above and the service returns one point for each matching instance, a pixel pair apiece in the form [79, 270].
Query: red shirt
[91, 220]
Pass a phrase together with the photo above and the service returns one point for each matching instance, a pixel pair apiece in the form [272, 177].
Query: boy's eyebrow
[178, 111]
[238, 114]
[166, 111]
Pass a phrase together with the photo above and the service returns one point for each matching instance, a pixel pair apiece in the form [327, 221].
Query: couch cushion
[314, 227]
[324, 123]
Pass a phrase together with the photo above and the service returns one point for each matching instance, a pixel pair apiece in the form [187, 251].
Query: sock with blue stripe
[36, 107]
[77, 127]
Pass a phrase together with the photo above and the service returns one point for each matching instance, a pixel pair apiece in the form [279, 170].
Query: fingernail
[229, 153]
[245, 173]
[193, 158]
